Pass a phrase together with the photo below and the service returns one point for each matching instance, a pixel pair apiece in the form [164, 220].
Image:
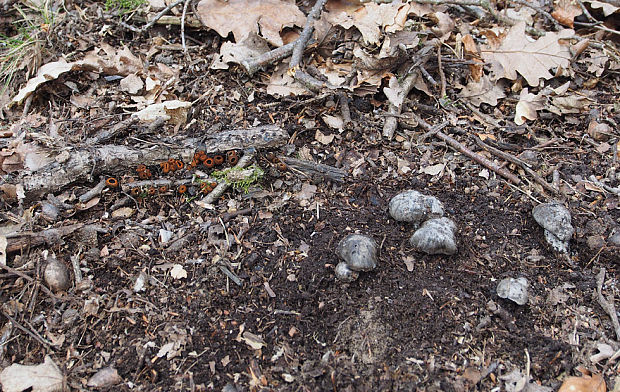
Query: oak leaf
[532, 59]
[242, 17]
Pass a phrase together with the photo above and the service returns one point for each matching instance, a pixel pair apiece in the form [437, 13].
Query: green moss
[124, 6]
[241, 179]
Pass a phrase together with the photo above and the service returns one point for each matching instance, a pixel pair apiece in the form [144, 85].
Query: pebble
[435, 236]
[595, 242]
[358, 251]
[515, 290]
[105, 377]
[57, 275]
[614, 238]
[556, 220]
[412, 206]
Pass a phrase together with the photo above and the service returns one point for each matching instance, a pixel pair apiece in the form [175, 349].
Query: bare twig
[183, 25]
[246, 159]
[34, 334]
[304, 37]
[607, 304]
[254, 64]
[158, 16]
[343, 100]
[517, 161]
[442, 75]
[391, 122]
[313, 169]
[459, 147]
[93, 192]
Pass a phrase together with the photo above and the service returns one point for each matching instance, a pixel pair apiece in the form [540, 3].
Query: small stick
[304, 37]
[158, 16]
[183, 25]
[344, 110]
[517, 161]
[34, 335]
[442, 75]
[93, 192]
[254, 64]
[308, 167]
[28, 278]
[608, 306]
[459, 147]
[248, 156]
[391, 122]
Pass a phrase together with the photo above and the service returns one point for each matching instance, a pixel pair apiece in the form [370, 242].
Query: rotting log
[86, 163]
[313, 169]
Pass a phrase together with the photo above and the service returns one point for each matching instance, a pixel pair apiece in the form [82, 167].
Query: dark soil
[417, 322]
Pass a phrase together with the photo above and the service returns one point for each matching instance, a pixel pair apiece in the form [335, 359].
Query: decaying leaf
[252, 46]
[45, 377]
[371, 18]
[242, 17]
[565, 11]
[178, 272]
[47, 72]
[527, 106]
[483, 91]
[174, 111]
[586, 383]
[254, 341]
[532, 59]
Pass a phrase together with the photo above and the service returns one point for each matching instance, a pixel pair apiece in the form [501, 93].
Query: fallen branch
[607, 305]
[295, 48]
[17, 242]
[466, 151]
[517, 161]
[391, 122]
[246, 159]
[85, 163]
[154, 20]
[313, 169]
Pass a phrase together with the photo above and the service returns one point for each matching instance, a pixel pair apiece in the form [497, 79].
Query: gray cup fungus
[359, 253]
[436, 236]
[414, 207]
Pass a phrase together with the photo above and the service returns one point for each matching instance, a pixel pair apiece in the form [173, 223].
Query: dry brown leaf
[45, 377]
[483, 92]
[131, 84]
[607, 8]
[472, 53]
[371, 18]
[281, 84]
[174, 111]
[242, 17]
[531, 59]
[565, 11]
[527, 106]
[585, 383]
[444, 24]
[49, 71]
[252, 46]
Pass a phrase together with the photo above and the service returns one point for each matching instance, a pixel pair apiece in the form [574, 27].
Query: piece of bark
[313, 169]
[88, 162]
[21, 241]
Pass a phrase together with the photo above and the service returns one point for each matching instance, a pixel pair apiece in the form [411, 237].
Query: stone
[516, 290]
[556, 221]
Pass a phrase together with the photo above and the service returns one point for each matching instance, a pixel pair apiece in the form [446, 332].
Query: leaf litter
[493, 108]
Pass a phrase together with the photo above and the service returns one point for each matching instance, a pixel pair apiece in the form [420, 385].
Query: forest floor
[169, 292]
